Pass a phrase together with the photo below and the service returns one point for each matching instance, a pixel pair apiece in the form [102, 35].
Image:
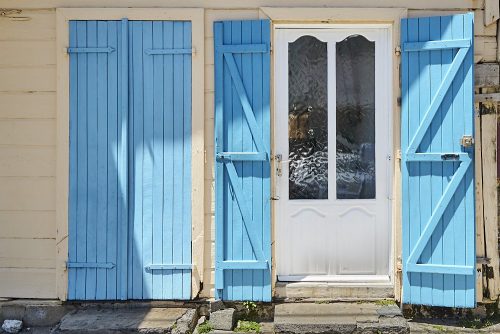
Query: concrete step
[341, 317]
[128, 320]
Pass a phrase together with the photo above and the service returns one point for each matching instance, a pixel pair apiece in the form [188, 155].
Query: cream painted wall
[28, 123]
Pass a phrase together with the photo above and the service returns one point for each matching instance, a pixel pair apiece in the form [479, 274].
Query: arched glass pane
[307, 119]
[355, 81]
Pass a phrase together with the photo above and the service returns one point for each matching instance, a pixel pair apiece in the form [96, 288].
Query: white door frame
[281, 98]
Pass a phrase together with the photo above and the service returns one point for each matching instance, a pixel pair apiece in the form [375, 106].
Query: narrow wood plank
[27, 105]
[480, 247]
[490, 197]
[19, 283]
[27, 224]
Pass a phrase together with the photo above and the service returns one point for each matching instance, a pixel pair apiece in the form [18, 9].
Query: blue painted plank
[457, 132]
[178, 157]
[257, 167]
[247, 145]
[414, 169]
[470, 231]
[227, 112]
[138, 147]
[448, 170]
[425, 167]
[168, 153]
[235, 68]
[436, 45]
[81, 237]
[436, 168]
[91, 278]
[73, 160]
[147, 174]
[102, 163]
[112, 154]
[186, 222]
[158, 160]
[123, 160]
[219, 165]
[266, 173]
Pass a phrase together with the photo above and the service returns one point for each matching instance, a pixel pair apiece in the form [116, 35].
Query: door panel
[326, 98]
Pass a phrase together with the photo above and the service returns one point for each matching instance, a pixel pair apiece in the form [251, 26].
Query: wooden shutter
[130, 160]
[242, 149]
[437, 161]
[97, 194]
[160, 160]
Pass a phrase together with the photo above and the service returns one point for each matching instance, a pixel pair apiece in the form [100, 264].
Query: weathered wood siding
[28, 125]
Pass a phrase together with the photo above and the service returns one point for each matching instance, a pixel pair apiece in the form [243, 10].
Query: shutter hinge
[398, 155]
[397, 50]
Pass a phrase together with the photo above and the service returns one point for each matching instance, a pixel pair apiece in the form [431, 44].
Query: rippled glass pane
[355, 156]
[307, 119]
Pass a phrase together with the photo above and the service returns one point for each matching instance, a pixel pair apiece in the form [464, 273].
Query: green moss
[247, 326]
[205, 327]
[385, 302]
[439, 328]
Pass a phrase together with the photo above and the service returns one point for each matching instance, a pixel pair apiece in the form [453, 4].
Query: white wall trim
[196, 16]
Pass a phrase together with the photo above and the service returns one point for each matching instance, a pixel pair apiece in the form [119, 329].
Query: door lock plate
[466, 141]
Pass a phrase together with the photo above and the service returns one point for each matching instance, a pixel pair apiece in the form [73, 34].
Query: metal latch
[450, 156]
[278, 158]
[467, 141]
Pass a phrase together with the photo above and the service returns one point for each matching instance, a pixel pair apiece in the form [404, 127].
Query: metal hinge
[397, 50]
[467, 141]
[398, 155]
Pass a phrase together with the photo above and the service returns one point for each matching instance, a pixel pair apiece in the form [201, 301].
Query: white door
[332, 130]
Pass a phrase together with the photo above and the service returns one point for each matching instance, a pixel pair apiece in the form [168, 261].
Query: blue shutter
[97, 193]
[242, 149]
[437, 171]
[160, 160]
[130, 160]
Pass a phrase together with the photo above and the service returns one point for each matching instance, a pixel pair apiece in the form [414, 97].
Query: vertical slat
[219, 167]
[168, 149]
[425, 167]
[457, 132]
[186, 194]
[448, 169]
[266, 173]
[237, 145]
[177, 158]
[112, 155]
[257, 167]
[437, 168]
[82, 162]
[414, 168]
[73, 159]
[158, 161]
[148, 148]
[122, 161]
[470, 244]
[102, 161]
[247, 146]
[138, 148]
[227, 112]
[91, 279]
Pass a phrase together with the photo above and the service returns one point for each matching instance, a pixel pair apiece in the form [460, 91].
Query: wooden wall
[28, 125]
